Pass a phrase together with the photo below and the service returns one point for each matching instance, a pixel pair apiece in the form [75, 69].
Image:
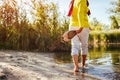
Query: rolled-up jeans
[80, 41]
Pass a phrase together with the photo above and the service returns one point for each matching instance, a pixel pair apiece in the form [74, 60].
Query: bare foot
[84, 66]
[76, 73]
[76, 69]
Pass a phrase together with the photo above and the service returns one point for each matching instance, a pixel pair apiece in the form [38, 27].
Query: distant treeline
[43, 31]
[102, 37]
[28, 38]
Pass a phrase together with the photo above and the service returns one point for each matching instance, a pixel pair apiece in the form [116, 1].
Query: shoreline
[22, 65]
[33, 66]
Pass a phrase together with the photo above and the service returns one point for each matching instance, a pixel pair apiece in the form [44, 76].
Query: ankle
[75, 66]
[82, 65]
[76, 69]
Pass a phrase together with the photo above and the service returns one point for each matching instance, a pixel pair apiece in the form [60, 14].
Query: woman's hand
[89, 13]
[79, 30]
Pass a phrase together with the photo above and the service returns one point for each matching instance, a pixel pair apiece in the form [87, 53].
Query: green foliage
[44, 34]
[96, 25]
[111, 36]
[115, 18]
[114, 24]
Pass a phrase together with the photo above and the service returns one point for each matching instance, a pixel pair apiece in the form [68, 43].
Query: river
[102, 61]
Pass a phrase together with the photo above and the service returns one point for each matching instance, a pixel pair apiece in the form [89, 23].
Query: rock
[3, 76]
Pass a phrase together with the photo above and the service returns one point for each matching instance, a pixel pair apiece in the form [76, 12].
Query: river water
[102, 61]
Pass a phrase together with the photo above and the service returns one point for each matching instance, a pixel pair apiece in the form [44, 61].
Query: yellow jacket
[79, 15]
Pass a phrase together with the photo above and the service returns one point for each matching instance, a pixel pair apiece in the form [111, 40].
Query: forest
[38, 26]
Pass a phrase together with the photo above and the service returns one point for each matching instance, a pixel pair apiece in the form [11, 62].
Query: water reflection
[104, 61]
[100, 55]
[63, 57]
[115, 58]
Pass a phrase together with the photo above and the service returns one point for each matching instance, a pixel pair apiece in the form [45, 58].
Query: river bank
[21, 65]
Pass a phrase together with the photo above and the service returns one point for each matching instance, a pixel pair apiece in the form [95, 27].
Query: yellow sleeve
[82, 12]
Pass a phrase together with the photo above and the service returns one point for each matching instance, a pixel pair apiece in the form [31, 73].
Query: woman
[79, 22]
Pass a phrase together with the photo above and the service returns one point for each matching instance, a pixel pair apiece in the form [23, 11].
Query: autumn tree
[8, 13]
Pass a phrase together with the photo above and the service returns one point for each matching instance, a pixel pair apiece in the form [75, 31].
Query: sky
[99, 9]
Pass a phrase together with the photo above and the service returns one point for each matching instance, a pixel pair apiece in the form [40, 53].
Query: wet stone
[3, 76]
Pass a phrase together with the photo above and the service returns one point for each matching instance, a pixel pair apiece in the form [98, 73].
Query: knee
[75, 49]
[84, 49]
[83, 46]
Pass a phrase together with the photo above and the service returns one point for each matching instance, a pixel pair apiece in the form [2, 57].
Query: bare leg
[75, 61]
[83, 60]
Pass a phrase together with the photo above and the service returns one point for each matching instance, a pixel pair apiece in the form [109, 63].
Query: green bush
[111, 36]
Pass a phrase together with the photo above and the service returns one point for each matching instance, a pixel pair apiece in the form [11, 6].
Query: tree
[8, 13]
[96, 25]
[17, 32]
[118, 6]
[114, 23]
[116, 12]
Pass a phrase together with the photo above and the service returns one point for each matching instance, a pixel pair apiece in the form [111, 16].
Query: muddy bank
[20, 65]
